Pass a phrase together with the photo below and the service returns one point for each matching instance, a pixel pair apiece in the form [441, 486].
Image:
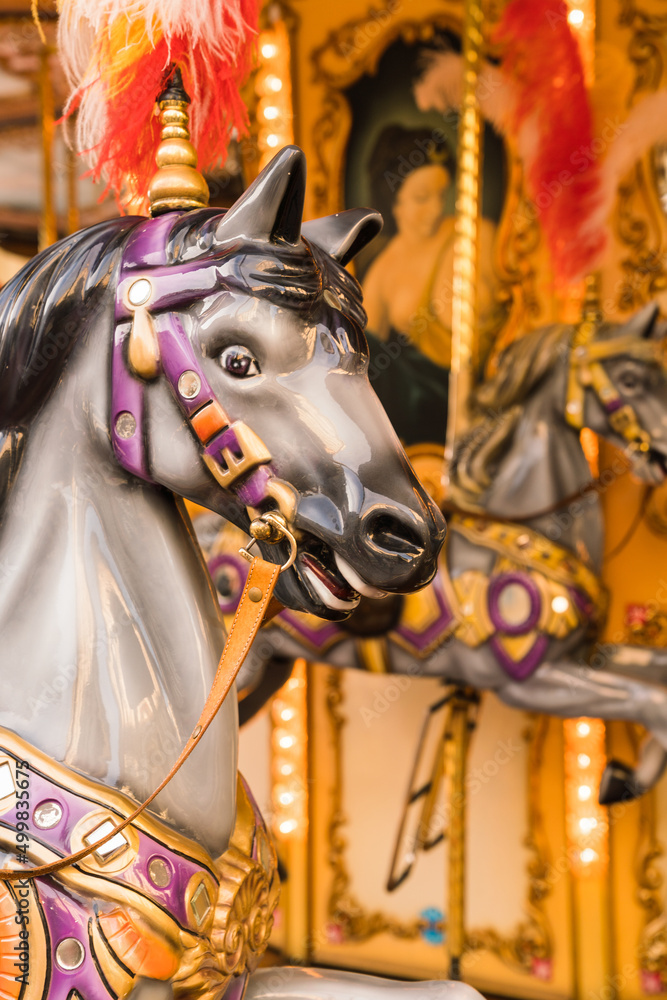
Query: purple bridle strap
[127, 397]
[172, 286]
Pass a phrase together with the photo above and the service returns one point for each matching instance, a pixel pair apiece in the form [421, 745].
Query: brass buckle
[253, 454]
[277, 529]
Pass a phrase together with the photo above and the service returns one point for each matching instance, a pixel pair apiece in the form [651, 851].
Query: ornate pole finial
[591, 313]
[177, 183]
[591, 310]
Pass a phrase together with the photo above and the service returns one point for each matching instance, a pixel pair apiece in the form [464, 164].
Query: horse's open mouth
[334, 583]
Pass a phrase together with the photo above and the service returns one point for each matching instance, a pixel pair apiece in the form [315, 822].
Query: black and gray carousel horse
[517, 602]
[216, 357]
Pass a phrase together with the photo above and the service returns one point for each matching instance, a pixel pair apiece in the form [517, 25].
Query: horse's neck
[545, 470]
[111, 633]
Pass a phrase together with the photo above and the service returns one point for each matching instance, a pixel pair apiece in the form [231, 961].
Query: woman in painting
[408, 288]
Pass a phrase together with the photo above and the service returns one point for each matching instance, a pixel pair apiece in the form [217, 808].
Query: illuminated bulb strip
[581, 18]
[273, 87]
[586, 820]
[289, 743]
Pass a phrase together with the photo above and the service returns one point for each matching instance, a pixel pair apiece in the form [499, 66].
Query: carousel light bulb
[274, 84]
[588, 855]
[288, 826]
[583, 728]
[583, 760]
[584, 793]
[269, 50]
[270, 113]
[587, 824]
[286, 769]
[285, 798]
[272, 140]
[286, 742]
[560, 604]
[287, 714]
[575, 17]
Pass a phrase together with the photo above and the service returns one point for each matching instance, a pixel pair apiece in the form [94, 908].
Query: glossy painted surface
[290, 983]
[111, 632]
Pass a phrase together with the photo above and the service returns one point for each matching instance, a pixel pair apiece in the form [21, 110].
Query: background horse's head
[522, 453]
[238, 379]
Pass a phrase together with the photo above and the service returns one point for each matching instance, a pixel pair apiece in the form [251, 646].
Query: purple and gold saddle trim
[537, 591]
[152, 903]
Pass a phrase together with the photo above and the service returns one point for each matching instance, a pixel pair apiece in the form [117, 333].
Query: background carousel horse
[518, 601]
[122, 349]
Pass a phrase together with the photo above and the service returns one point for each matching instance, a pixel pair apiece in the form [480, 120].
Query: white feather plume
[218, 25]
[441, 88]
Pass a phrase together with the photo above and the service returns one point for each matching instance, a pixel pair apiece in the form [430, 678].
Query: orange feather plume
[117, 54]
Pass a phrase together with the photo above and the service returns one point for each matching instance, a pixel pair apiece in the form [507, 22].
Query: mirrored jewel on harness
[7, 786]
[189, 385]
[126, 425]
[140, 292]
[112, 847]
[47, 815]
[69, 954]
[201, 903]
[160, 872]
[514, 604]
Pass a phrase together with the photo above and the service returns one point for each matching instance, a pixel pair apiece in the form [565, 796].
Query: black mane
[278, 271]
[46, 307]
[49, 304]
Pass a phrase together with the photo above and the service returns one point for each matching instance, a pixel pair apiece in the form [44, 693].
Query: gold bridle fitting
[586, 371]
[271, 528]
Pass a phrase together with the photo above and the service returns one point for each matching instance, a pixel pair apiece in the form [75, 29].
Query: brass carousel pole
[456, 755]
[460, 385]
[464, 301]
[48, 232]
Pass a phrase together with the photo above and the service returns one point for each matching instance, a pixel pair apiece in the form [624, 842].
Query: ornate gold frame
[638, 198]
[650, 882]
[532, 940]
[339, 62]
[639, 219]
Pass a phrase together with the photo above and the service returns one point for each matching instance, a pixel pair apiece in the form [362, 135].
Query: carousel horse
[122, 350]
[517, 602]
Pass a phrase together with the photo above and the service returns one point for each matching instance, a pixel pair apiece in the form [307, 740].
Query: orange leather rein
[255, 606]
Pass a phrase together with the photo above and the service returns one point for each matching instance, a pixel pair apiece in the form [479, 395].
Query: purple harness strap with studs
[234, 454]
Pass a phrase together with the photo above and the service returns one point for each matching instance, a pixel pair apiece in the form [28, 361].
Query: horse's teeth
[325, 595]
[355, 580]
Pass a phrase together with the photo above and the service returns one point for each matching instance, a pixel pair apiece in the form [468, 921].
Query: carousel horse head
[238, 370]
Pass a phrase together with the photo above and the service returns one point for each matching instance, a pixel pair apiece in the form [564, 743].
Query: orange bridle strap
[251, 612]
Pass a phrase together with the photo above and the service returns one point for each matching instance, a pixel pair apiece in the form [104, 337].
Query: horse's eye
[630, 381]
[239, 362]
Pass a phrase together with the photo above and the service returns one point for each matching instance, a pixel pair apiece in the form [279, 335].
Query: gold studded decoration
[177, 183]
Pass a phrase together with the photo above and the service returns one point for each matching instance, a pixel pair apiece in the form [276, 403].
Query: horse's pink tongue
[337, 587]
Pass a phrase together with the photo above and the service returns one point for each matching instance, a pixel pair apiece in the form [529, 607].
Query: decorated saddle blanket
[537, 591]
[149, 903]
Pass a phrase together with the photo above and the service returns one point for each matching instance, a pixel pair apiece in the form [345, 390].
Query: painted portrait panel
[401, 160]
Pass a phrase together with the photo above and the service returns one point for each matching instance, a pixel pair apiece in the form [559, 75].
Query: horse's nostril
[392, 535]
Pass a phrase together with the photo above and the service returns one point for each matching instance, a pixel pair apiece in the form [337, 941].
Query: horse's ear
[272, 207]
[343, 235]
[643, 323]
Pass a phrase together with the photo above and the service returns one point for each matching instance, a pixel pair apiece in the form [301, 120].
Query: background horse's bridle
[585, 370]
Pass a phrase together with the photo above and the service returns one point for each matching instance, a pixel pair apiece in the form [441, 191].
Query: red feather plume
[541, 57]
[118, 54]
